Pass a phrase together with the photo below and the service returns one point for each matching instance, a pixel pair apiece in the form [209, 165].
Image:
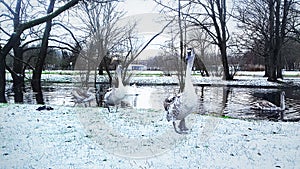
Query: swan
[268, 106]
[83, 96]
[114, 96]
[180, 105]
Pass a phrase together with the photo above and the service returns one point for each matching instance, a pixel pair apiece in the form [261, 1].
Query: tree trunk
[223, 40]
[266, 57]
[267, 68]
[286, 9]
[37, 73]
[2, 77]
[17, 73]
[271, 56]
[181, 60]
[227, 76]
[5, 50]
[18, 78]
[277, 39]
[279, 66]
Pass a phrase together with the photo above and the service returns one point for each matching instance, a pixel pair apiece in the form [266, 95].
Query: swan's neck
[189, 90]
[188, 72]
[282, 102]
[120, 84]
[189, 65]
[188, 80]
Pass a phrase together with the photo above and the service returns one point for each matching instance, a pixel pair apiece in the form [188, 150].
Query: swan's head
[282, 95]
[190, 56]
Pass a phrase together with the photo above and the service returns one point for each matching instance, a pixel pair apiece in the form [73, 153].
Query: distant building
[137, 67]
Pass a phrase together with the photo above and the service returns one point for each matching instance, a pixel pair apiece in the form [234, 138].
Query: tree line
[266, 28]
[87, 33]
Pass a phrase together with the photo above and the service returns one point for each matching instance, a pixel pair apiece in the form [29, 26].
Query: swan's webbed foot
[111, 111]
[181, 131]
[116, 109]
[107, 106]
[182, 125]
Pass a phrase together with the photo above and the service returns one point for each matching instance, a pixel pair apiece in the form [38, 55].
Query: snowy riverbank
[242, 78]
[68, 137]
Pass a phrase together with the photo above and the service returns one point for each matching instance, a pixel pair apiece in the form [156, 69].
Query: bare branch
[155, 36]
[26, 63]
[8, 7]
[50, 16]
[71, 33]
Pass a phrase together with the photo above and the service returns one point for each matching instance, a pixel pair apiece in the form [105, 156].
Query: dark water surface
[232, 102]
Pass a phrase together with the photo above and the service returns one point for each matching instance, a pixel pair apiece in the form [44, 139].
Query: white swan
[268, 106]
[180, 105]
[84, 97]
[114, 96]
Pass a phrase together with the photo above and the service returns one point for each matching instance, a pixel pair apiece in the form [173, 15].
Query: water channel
[229, 102]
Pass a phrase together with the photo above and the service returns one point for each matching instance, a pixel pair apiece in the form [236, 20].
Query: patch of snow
[93, 138]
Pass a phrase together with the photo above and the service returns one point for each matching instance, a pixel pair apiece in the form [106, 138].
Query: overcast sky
[147, 23]
[139, 6]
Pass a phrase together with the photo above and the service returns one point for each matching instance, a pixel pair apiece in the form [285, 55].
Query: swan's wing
[115, 96]
[263, 105]
[107, 95]
[90, 98]
[268, 104]
[255, 106]
[172, 106]
[168, 101]
[77, 96]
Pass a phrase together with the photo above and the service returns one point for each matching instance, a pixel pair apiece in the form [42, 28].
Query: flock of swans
[177, 106]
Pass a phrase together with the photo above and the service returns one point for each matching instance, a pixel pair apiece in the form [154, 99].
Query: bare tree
[210, 15]
[15, 37]
[252, 19]
[37, 73]
[25, 25]
[267, 25]
[17, 75]
[131, 48]
[104, 33]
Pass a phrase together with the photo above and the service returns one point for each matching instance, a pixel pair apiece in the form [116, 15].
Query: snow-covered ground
[78, 137]
[69, 137]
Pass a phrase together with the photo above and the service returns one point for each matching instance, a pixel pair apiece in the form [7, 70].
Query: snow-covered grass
[240, 80]
[262, 73]
[69, 137]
